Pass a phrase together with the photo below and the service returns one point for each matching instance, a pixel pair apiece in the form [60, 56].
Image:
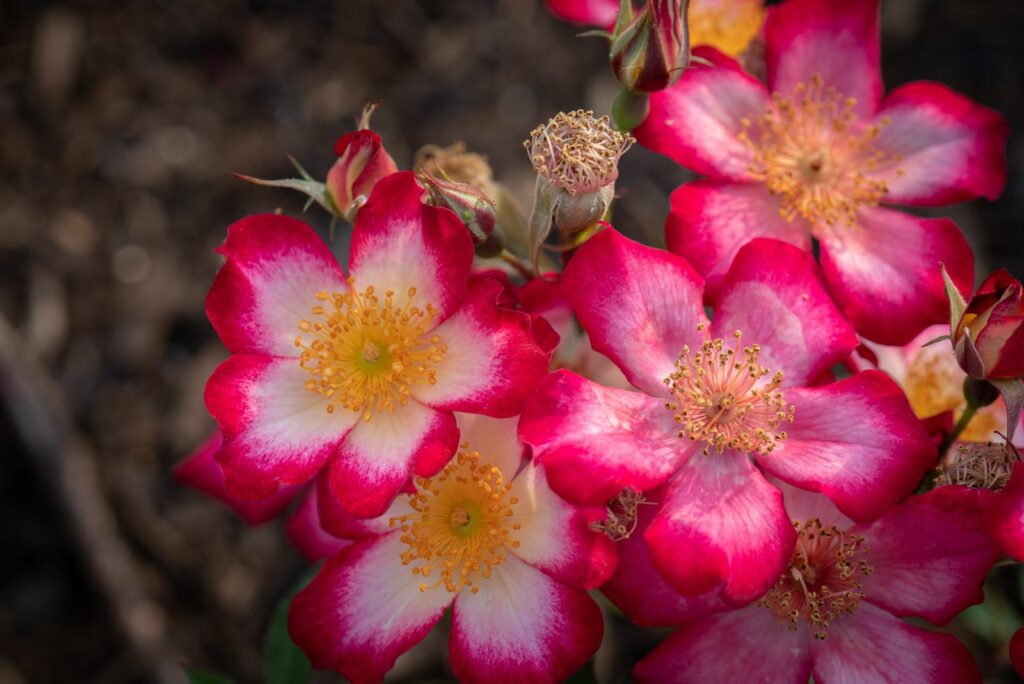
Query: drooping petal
[378, 457]
[721, 522]
[639, 305]
[856, 441]
[275, 266]
[595, 441]
[698, 121]
[930, 554]
[1006, 515]
[201, 471]
[400, 243]
[522, 626]
[949, 148]
[363, 610]
[710, 220]
[306, 532]
[337, 521]
[747, 645]
[495, 356]
[275, 430]
[885, 272]
[873, 646]
[775, 295]
[641, 593]
[837, 40]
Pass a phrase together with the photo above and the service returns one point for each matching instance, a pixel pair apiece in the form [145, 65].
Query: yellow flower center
[461, 525]
[364, 352]
[822, 581]
[721, 397]
[816, 156]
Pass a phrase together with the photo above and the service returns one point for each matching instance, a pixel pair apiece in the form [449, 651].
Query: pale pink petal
[930, 554]
[885, 272]
[378, 457]
[400, 243]
[803, 505]
[747, 645]
[698, 121]
[856, 441]
[774, 293]
[363, 610]
[595, 441]
[943, 147]
[639, 305]
[494, 356]
[275, 266]
[710, 220]
[307, 534]
[497, 440]
[275, 430]
[721, 523]
[837, 39]
[873, 646]
[522, 626]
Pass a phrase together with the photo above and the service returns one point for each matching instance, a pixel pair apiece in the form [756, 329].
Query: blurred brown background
[119, 125]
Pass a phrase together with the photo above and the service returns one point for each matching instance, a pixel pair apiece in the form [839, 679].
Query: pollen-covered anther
[982, 465]
[461, 525]
[621, 515]
[577, 152]
[364, 352]
[725, 398]
[817, 156]
[823, 580]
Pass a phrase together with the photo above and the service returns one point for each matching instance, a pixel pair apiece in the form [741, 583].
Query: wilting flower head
[835, 610]
[577, 152]
[718, 404]
[486, 536]
[988, 338]
[362, 161]
[360, 373]
[650, 51]
[819, 153]
[457, 164]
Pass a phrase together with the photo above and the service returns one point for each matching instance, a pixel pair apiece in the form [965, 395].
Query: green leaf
[283, 662]
[201, 677]
[314, 190]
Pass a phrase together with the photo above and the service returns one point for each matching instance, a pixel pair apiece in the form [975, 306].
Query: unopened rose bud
[468, 202]
[988, 338]
[650, 50]
[362, 161]
[457, 164]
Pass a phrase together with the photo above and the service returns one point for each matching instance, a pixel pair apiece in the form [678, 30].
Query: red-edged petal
[856, 441]
[1006, 514]
[721, 522]
[595, 441]
[588, 12]
[307, 534]
[747, 645]
[710, 220]
[522, 626]
[275, 430]
[556, 536]
[495, 356]
[949, 148]
[873, 646]
[338, 522]
[201, 471]
[275, 266]
[400, 243]
[698, 121]
[885, 272]
[377, 457]
[930, 554]
[775, 295]
[639, 305]
[837, 39]
[363, 610]
[642, 594]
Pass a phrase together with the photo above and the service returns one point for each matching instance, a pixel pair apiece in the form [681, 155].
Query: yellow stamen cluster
[364, 352]
[816, 156]
[621, 515]
[461, 525]
[983, 465]
[577, 152]
[721, 397]
[822, 582]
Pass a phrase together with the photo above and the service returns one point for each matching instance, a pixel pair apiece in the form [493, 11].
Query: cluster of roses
[747, 474]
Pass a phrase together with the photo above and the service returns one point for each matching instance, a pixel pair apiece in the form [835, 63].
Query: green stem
[517, 263]
[961, 424]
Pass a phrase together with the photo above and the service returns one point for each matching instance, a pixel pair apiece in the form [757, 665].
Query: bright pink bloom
[1006, 514]
[361, 373]
[486, 536]
[819, 157]
[835, 611]
[711, 398]
[306, 532]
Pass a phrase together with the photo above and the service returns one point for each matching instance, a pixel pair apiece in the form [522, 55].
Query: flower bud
[650, 51]
[988, 338]
[455, 163]
[468, 202]
[362, 161]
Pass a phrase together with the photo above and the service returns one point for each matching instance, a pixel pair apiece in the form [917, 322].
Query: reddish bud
[988, 337]
[650, 51]
[362, 161]
[471, 205]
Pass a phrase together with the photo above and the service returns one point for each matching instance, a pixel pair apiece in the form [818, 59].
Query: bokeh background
[119, 125]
